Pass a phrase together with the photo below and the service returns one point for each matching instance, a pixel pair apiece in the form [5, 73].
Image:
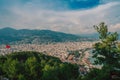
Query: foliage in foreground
[106, 53]
[36, 66]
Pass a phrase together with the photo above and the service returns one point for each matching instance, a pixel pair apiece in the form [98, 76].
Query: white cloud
[76, 22]
[115, 28]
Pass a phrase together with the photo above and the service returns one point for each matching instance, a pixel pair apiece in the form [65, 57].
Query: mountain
[13, 36]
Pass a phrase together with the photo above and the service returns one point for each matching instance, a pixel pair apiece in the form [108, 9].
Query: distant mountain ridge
[13, 36]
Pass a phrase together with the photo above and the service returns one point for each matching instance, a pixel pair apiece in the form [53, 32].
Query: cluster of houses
[73, 52]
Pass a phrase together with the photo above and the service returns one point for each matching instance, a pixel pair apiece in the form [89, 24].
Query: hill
[10, 35]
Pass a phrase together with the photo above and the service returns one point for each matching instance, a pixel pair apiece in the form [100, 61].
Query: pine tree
[107, 50]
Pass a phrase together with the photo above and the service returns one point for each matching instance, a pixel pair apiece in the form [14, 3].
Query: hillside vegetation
[9, 35]
[35, 66]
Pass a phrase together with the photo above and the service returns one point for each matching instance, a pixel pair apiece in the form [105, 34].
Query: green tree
[35, 66]
[107, 51]
[32, 67]
[50, 73]
[10, 67]
[97, 74]
[21, 77]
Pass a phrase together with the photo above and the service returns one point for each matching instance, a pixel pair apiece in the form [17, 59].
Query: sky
[69, 16]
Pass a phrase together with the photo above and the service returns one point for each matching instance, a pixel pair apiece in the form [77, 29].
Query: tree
[35, 66]
[32, 67]
[107, 50]
[10, 67]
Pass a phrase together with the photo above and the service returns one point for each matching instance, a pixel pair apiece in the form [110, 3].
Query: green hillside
[9, 35]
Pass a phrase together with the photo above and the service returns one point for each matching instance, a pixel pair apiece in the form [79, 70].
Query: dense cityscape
[60, 50]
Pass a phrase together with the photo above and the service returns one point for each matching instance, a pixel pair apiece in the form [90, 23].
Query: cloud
[33, 16]
[115, 28]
